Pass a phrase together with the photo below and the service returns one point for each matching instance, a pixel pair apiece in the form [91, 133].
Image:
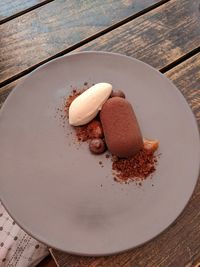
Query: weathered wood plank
[187, 77]
[9, 8]
[179, 245]
[4, 92]
[157, 38]
[47, 262]
[55, 28]
[45, 31]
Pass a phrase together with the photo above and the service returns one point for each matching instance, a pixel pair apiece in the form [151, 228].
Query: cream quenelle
[86, 106]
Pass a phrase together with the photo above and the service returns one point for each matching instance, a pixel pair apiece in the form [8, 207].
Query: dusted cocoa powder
[138, 167]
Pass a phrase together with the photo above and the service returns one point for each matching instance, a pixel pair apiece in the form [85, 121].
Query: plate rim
[179, 93]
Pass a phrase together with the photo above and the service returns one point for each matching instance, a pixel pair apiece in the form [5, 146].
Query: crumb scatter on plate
[136, 168]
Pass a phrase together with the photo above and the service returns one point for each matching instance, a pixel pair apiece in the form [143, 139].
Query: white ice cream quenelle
[86, 106]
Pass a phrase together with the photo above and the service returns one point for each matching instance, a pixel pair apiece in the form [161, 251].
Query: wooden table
[162, 33]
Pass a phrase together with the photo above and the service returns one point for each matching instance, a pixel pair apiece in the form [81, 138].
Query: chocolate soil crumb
[138, 167]
[82, 133]
[87, 132]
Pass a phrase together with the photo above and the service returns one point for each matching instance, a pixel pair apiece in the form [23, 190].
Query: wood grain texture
[44, 33]
[37, 35]
[187, 77]
[4, 92]
[47, 262]
[157, 38]
[179, 245]
[9, 8]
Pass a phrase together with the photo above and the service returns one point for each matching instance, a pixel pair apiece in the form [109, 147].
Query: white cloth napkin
[18, 249]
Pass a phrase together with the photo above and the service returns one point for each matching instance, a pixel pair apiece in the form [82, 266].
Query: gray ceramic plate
[58, 192]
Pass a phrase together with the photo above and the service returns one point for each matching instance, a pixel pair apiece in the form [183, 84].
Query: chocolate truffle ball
[117, 93]
[97, 146]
